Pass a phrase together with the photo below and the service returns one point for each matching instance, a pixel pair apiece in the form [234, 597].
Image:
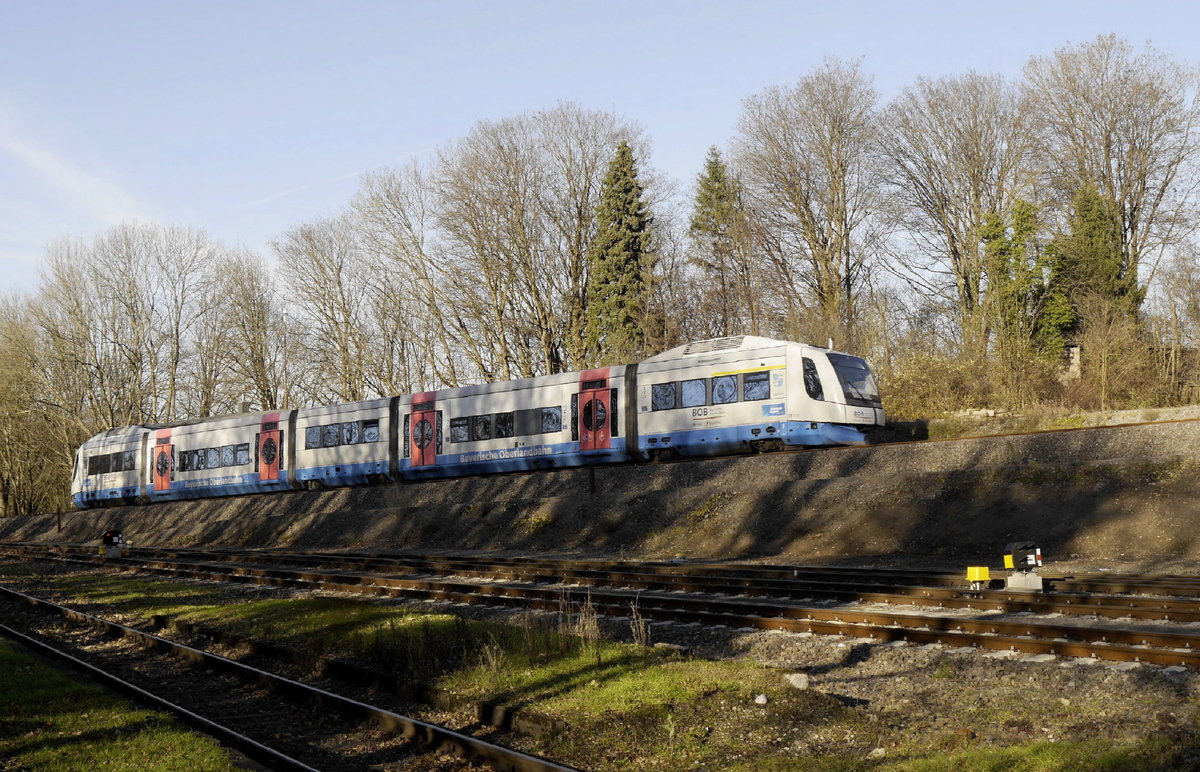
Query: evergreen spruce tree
[715, 231]
[620, 265]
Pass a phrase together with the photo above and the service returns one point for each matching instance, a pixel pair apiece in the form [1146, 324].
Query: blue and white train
[713, 397]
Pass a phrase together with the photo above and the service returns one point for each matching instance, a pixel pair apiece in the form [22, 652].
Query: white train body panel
[93, 479]
[346, 444]
[725, 395]
[218, 457]
[532, 423]
[737, 394]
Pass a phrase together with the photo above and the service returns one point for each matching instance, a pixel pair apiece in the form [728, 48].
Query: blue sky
[246, 118]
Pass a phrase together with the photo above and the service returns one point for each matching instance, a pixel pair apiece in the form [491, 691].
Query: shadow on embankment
[1125, 493]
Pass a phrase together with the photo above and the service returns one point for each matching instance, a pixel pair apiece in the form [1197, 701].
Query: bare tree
[805, 156]
[957, 150]
[1125, 124]
[36, 438]
[181, 261]
[493, 242]
[326, 268]
[394, 211]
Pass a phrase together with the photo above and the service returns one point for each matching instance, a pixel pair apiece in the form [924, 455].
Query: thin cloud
[301, 188]
[92, 193]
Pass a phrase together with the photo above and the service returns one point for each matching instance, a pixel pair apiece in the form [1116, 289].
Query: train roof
[719, 346]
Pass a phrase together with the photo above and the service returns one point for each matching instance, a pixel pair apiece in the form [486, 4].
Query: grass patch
[640, 709]
[1156, 753]
[632, 707]
[50, 721]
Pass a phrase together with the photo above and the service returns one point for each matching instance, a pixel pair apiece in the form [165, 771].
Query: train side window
[756, 386]
[407, 446]
[198, 459]
[662, 396]
[527, 422]
[812, 381]
[370, 430]
[185, 461]
[212, 458]
[243, 453]
[693, 393]
[481, 427]
[613, 404]
[330, 435]
[551, 420]
[458, 429]
[312, 437]
[504, 425]
[350, 432]
[724, 389]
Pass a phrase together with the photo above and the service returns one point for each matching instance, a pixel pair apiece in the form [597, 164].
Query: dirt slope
[1122, 494]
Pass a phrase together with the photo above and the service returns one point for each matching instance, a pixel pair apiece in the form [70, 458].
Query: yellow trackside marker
[978, 574]
[1008, 561]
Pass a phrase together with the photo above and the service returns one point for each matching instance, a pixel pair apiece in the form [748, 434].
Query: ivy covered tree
[1019, 296]
[718, 230]
[1093, 261]
[620, 267]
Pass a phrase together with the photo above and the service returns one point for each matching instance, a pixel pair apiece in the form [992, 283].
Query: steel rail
[632, 576]
[427, 735]
[1181, 611]
[1166, 648]
[1081, 583]
[253, 749]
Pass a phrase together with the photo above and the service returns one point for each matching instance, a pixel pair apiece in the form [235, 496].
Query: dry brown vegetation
[959, 236]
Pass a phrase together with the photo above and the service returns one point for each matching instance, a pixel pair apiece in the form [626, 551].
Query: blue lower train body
[733, 439]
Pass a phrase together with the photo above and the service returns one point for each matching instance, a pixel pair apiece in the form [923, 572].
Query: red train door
[422, 430]
[269, 448]
[594, 410]
[162, 462]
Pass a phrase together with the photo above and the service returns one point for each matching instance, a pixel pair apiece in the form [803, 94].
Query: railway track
[280, 722]
[767, 598]
[1158, 598]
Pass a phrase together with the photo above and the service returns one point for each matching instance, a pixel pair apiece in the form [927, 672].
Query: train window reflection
[693, 393]
[724, 389]
[662, 396]
[756, 386]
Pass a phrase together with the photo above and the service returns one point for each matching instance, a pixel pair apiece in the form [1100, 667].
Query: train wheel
[314, 485]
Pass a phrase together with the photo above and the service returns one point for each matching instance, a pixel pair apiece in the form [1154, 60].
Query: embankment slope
[1125, 495]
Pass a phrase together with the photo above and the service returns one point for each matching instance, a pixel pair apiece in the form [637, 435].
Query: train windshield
[857, 382]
